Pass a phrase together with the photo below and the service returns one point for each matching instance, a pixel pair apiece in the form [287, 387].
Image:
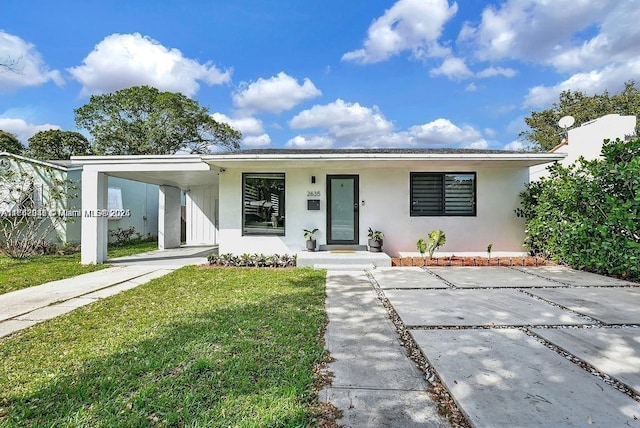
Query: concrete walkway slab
[11, 326]
[475, 308]
[493, 277]
[406, 277]
[609, 305]
[374, 383]
[574, 277]
[614, 351]
[504, 378]
[21, 301]
[45, 313]
[24, 308]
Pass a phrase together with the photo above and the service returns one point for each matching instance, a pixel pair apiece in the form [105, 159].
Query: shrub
[436, 240]
[121, 236]
[253, 260]
[586, 215]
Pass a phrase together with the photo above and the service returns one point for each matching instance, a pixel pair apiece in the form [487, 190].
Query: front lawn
[198, 347]
[131, 248]
[36, 270]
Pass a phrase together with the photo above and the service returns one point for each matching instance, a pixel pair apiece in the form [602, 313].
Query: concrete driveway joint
[516, 346]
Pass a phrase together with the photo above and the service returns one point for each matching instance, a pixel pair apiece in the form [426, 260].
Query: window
[263, 208]
[443, 194]
[114, 203]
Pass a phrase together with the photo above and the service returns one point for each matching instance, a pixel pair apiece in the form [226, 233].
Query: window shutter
[459, 191]
[427, 198]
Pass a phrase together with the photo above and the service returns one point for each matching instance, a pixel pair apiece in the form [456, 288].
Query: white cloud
[471, 87]
[247, 125]
[252, 129]
[344, 121]
[124, 60]
[610, 78]
[261, 140]
[497, 71]
[453, 68]
[352, 125]
[27, 67]
[533, 29]
[478, 144]
[310, 142]
[23, 129]
[516, 146]
[414, 25]
[442, 132]
[274, 95]
[489, 132]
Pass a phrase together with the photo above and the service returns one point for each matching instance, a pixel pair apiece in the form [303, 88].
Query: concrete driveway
[546, 346]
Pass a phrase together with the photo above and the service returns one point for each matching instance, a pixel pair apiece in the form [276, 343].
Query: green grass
[199, 347]
[18, 274]
[132, 248]
[36, 270]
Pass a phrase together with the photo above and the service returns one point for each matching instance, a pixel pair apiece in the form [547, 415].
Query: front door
[342, 209]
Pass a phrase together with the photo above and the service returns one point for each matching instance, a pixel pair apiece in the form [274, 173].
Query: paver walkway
[520, 346]
[23, 308]
[375, 384]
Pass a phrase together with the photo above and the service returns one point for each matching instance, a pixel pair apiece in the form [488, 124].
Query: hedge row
[588, 215]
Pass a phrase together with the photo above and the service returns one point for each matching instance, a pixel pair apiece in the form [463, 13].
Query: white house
[586, 140]
[136, 201]
[259, 201]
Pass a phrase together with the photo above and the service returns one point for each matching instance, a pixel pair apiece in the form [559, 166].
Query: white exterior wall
[586, 140]
[201, 205]
[385, 193]
[142, 200]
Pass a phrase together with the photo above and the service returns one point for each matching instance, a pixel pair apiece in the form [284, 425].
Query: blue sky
[321, 74]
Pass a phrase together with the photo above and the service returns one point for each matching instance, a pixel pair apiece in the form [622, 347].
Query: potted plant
[375, 240]
[311, 240]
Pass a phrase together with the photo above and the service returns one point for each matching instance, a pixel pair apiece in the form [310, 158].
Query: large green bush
[588, 215]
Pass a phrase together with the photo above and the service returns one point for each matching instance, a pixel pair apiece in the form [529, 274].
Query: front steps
[343, 260]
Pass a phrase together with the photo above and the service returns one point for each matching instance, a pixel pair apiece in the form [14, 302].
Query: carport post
[169, 217]
[94, 221]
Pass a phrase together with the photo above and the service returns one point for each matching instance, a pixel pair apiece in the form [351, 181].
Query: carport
[174, 174]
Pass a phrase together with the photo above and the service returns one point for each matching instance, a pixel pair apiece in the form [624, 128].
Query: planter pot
[375, 245]
[311, 245]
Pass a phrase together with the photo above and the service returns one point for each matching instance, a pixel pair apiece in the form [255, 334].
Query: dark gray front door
[342, 209]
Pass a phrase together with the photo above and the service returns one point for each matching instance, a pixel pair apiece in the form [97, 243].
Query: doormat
[342, 251]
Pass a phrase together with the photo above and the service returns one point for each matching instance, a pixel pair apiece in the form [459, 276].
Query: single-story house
[259, 201]
[130, 203]
[586, 140]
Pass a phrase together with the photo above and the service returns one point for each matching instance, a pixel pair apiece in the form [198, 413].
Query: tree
[544, 131]
[144, 121]
[10, 143]
[57, 144]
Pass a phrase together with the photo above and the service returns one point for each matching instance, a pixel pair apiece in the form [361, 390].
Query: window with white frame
[263, 205]
[443, 194]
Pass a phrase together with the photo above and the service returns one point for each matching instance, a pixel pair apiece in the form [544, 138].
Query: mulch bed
[471, 261]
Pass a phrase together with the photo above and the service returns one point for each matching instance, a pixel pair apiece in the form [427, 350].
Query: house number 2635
[313, 193]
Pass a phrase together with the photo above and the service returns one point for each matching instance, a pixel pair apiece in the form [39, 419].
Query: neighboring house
[132, 203]
[259, 201]
[586, 140]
